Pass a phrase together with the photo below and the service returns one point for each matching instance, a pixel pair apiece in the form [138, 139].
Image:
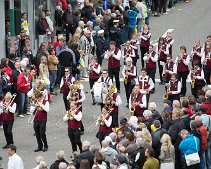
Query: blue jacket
[188, 146]
[132, 18]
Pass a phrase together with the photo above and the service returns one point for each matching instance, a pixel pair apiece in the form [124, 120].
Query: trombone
[6, 106]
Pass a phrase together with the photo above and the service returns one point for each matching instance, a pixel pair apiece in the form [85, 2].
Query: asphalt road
[189, 21]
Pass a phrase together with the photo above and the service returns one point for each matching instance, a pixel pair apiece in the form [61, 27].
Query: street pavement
[188, 21]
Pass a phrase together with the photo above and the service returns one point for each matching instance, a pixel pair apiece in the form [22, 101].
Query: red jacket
[21, 83]
[203, 131]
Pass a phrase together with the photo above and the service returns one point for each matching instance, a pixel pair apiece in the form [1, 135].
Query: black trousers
[101, 136]
[195, 90]
[7, 126]
[177, 159]
[40, 129]
[151, 73]
[162, 6]
[114, 72]
[75, 139]
[66, 102]
[91, 83]
[115, 122]
[174, 97]
[160, 67]
[207, 74]
[183, 76]
[143, 51]
[128, 90]
[99, 59]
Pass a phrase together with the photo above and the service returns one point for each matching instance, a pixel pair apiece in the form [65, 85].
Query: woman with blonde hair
[167, 156]
[44, 72]
[147, 136]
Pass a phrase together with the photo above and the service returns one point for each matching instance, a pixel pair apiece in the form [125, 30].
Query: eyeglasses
[66, 70]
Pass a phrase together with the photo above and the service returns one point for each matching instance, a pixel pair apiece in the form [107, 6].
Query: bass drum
[97, 89]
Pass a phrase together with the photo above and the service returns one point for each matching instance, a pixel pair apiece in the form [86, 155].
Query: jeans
[140, 20]
[53, 75]
[130, 32]
[208, 153]
[23, 103]
[202, 160]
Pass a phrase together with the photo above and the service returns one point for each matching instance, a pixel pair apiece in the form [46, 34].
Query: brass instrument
[109, 97]
[6, 106]
[193, 80]
[69, 114]
[127, 70]
[166, 96]
[133, 100]
[146, 58]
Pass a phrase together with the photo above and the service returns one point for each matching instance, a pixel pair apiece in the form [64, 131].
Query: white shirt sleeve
[178, 89]
[144, 102]
[62, 82]
[152, 85]
[202, 75]
[123, 71]
[106, 54]
[108, 122]
[118, 55]
[155, 58]
[97, 70]
[133, 53]
[167, 50]
[83, 97]
[118, 101]
[130, 102]
[46, 107]
[12, 108]
[171, 43]
[187, 60]
[203, 57]
[65, 118]
[78, 117]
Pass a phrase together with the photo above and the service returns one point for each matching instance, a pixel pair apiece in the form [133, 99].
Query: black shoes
[5, 147]
[93, 103]
[38, 149]
[82, 133]
[45, 149]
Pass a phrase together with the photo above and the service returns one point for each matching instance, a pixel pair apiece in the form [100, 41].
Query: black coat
[58, 18]
[40, 28]
[86, 13]
[174, 131]
[55, 165]
[186, 120]
[148, 123]
[89, 155]
[100, 46]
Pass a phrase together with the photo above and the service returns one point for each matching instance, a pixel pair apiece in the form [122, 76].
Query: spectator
[50, 25]
[100, 46]
[166, 152]
[38, 160]
[15, 161]
[149, 120]
[6, 84]
[58, 18]
[185, 118]
[60, 159]
[121, 161]
[132, 18]
[151, 162]
[155, 114]
[86, 153]
[99, 8]
[4, 63]
[99, 161]
[84, 164]
[86, 11]
[62, 165]
[11, 62]
[166, 116]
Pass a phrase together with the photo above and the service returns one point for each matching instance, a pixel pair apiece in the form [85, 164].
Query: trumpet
[69, 114]
[6, 106]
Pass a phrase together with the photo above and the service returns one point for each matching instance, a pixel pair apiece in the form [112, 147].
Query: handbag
[194, 158]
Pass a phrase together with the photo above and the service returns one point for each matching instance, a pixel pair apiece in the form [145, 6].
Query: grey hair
[38, 159]
[184, 131]
[86, 144]
[152, 105]
[113, 136]
[60, 155]
[140, 142]
[147, 113]
[176, 103]
[198, 118]
[62, 165]
[208, 94]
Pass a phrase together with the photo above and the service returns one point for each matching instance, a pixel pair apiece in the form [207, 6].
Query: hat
[115, 21]
[168, 109]
[100, 31]
[167, 102]
[128, 59]
[123, 121]
[121, 158]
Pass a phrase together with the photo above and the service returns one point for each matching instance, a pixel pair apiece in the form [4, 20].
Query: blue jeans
[130, 32]
[23, 102]
[140, 24]
[53, 75]
[208, 154]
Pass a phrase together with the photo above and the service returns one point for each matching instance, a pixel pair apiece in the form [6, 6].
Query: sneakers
[21, 116]
[28, 113]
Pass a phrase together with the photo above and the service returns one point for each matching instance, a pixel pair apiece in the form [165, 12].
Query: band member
[135, 45]
[40, 86]
[78, 97]
[196, 53]
[207, 42]
[129, 74]
[182, 62]
[174, 88]
[40, 118]
[66, 81]
[113, 101]
[137, 102]
[169, 41]
[73, 117]
[113, 55]
[151, 59]
[94, 72]
[128, 51]
[145, 83]
[9, 107]
[144, 37]
[206, 61]
[169, 69]
[104, 122]
[162, 51]
[196, 77]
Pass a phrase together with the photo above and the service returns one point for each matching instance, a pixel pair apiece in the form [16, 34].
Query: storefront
[32, 8]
